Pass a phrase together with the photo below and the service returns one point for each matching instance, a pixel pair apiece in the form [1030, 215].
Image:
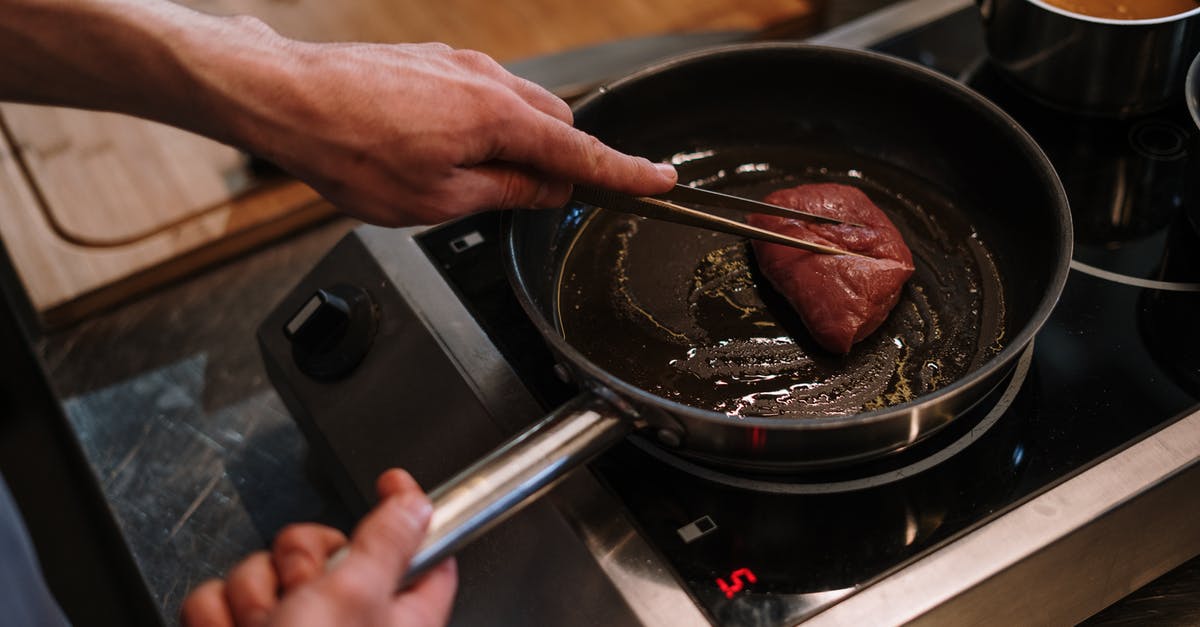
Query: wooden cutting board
[96, 207]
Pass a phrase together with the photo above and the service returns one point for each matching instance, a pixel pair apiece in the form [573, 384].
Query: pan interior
[685, 314]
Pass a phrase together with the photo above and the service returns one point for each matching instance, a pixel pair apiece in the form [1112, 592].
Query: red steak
[841, 298]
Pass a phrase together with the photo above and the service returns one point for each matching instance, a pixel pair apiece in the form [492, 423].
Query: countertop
[196, 454]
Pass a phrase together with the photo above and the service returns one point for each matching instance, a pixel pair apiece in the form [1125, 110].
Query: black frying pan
[649, 317]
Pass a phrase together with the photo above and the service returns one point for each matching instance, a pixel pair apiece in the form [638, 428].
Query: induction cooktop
[1069, 486]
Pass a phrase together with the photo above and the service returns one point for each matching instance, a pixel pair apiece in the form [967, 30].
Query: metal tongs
[666, 207]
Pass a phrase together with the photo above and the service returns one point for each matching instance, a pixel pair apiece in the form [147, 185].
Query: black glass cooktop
[1114, 362]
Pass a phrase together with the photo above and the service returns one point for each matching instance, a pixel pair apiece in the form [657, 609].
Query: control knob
[332, 331]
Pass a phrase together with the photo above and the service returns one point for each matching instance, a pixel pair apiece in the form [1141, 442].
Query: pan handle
[513, 475]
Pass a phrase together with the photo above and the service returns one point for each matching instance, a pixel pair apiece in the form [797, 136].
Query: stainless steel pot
[1089, 64]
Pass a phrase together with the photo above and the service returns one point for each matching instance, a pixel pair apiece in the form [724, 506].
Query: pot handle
[511, 477]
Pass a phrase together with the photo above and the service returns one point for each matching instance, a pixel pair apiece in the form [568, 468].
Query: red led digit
[758, 438]
[737, 584]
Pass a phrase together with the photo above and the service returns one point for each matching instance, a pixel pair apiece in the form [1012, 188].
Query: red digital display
[737, 581]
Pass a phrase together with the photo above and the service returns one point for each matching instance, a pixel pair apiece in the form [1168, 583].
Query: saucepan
[669, 330]
[1086, 64]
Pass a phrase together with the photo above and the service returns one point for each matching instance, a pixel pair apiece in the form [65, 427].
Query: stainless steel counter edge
[636, 570]
[1064, 536]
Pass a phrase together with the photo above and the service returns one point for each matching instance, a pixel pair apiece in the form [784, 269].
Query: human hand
[393, 134]
[290, 585]
[421, 133]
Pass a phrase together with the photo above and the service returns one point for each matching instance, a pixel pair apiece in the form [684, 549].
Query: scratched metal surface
[1173, 599]
[198, 458]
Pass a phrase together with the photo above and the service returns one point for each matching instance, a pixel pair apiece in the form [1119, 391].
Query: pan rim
[1003, 359]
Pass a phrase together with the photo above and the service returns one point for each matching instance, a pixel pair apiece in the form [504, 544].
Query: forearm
[393, 134]
[148, 58]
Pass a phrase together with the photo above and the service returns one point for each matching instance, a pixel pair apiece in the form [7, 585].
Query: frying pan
[969, 188]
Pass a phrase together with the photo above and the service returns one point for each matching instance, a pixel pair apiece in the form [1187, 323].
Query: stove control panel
[405, 399]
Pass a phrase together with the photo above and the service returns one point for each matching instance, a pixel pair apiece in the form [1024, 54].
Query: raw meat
[841, 298]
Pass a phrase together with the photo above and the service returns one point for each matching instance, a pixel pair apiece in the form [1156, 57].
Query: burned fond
[684, 313]
[1126, 9]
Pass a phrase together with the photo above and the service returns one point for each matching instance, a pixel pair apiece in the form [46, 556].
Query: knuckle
[437, 46]
[475, 59]
[253, 24]
[555, 106]
[395, 525]
[491, 103]
[593, 151]
[564, 113]
[517, 191]
[244, 571]
[292, 536]
[507, 114]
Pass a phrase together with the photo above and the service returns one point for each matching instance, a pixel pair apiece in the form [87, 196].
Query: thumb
[386, 540]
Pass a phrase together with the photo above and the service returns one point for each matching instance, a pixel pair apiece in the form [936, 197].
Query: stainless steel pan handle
[512, 476]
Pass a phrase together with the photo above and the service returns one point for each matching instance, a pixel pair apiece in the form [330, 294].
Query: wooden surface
[109, 180]
[505, 29]
[96, 207]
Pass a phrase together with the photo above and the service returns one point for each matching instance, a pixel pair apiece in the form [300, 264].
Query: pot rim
[1115, 22]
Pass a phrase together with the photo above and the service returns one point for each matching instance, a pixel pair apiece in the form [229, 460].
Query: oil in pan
[684, 313]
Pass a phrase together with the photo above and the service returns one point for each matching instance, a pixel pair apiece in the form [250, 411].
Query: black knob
[332, 331]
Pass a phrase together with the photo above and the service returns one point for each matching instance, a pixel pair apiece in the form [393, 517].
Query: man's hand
[393, 134]
[290, 585]
[402, 134]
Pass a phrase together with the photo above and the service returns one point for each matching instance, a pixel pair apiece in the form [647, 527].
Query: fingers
[205, 606]
[252, 590]
[539, 98]
[300, 552]
[564, 153]
[394, 482]
[495, 186]
[428, 601]
[385, 541]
